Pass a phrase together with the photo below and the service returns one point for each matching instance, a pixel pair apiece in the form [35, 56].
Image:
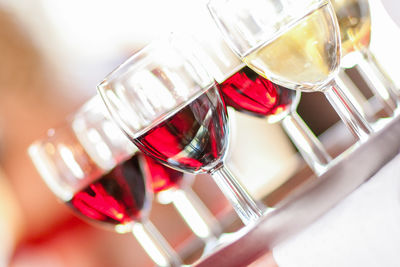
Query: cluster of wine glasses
[166, 117]
[91, 166]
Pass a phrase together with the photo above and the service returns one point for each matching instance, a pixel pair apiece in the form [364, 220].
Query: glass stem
[355, 96]
[307, 143]
[244, 205]
[378, 81]
[351, 117]
[195, 214]
[232, 132]
[156, 247]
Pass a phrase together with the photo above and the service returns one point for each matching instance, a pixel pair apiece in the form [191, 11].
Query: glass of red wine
[248, 92]
[169, 106]
[105, 190]
[169, 185]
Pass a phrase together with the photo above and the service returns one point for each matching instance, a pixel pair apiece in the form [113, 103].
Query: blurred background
[54, 53]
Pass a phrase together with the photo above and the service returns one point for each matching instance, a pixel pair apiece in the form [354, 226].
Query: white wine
[305, 56]
[355, 24]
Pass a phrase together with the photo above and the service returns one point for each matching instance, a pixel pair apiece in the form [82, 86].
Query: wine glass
[170, 108]
[111, 194]
[169, 185]
[355, 27]
[293, 43]
[248, 92]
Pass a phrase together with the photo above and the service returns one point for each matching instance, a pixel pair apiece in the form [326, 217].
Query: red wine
[161, 177]
[249, 92]
[118, 197]
[194, 138]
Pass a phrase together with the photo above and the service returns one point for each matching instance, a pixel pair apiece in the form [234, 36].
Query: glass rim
[167, 39]
[171, 42]
[211, 8]
[95, 107]
[120, 69]
[215, 5]
[41, 162]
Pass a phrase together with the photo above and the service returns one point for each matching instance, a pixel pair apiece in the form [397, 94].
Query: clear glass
[169, 106]
[357, 97]
[86, 166]
[295, 44]
[355, 26]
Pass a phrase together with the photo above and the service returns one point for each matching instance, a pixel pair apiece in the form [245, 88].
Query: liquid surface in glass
[116, 198]
[194, 139]
[249, 92]
[305, 56]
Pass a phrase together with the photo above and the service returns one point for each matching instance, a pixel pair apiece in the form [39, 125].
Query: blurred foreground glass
[355, 27]
[101, 189]
[293, 43]
[169, 106]
[11, 221]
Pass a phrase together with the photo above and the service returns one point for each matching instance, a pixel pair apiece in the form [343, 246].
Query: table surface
[311, 200]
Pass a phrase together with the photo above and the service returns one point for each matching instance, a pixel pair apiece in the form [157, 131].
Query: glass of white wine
[354, 19]
[293, 43]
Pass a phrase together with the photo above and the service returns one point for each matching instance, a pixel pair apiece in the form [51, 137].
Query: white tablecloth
[362, 230]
